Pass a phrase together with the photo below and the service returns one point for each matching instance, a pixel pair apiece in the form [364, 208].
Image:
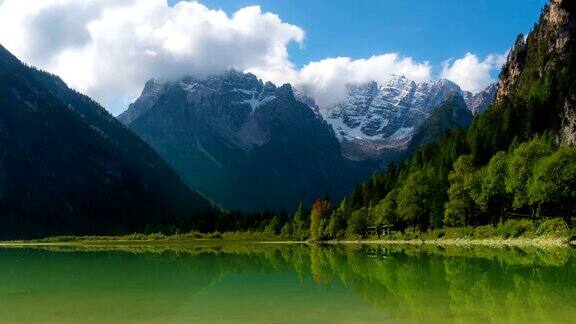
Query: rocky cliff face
[544, 62]
[554, 35]
[247, 144]
[478, 103]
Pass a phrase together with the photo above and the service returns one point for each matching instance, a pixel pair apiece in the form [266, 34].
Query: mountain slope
[537, 85]
[249, 145]
[450, 115]
[68, 167]
[477, 103]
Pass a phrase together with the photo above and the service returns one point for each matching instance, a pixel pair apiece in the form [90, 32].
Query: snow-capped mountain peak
[378, 116]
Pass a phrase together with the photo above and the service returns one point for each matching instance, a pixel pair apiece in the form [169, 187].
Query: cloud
[326, 80]
[108, 49]
[470, 73]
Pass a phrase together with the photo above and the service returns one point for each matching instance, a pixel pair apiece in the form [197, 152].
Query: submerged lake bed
[286, 283]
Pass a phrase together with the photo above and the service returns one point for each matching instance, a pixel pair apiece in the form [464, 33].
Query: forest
[532, 181]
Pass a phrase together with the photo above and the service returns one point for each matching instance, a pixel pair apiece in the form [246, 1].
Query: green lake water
[287, 283]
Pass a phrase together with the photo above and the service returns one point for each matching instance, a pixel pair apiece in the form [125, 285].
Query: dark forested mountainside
[452, 114]
[69, 167]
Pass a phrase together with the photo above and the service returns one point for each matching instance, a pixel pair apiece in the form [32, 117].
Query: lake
[286, 283]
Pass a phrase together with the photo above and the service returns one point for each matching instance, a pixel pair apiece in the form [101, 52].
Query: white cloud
[326, 80]
[470, 73]
[108, 49]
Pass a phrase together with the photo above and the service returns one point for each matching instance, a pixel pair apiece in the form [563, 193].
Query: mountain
[515, 158]
[537, 87]
[247, 144]
[251, 145]
[451, 114]
[378, 120]
[478, 103]
[538, 82]
[69, 167]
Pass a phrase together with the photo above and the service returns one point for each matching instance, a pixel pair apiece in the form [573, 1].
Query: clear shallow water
[287, 284]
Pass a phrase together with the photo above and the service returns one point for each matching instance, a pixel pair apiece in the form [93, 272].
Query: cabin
[380, 230]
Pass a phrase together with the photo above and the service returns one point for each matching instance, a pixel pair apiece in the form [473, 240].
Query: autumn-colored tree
[319, 218]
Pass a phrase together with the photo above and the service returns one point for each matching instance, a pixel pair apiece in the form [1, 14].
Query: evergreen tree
[337, 224]
[274, 226]
[301, 223]
[416, 201]
[461, 207]
[358, 223]
[287, 231]
[385, 212]
[554, 183]
[493, 197]
[520, 168]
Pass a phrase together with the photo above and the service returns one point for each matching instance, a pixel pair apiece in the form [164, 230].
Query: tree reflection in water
[407, 283]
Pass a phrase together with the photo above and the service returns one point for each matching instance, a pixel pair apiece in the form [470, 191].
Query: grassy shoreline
[509, 233]
[466, 242]
[168, 240]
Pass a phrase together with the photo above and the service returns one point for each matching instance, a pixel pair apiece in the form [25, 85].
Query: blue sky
[426, 30]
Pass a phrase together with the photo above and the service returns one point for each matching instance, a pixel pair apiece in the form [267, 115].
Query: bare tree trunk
[567, 216]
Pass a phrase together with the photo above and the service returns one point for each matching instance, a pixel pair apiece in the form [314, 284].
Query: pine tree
[301, 223]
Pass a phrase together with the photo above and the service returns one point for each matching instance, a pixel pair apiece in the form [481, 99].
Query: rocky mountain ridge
[247, 144]
[546, 54]
[376, 119]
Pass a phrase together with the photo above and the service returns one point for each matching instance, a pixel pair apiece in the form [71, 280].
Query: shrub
[553, 228]
[514, 228]
[214, 236]
[433, 234]
[484, 232]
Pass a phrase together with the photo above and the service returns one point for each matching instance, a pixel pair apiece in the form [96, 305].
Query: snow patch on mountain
[402, 133]
[255, 102]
